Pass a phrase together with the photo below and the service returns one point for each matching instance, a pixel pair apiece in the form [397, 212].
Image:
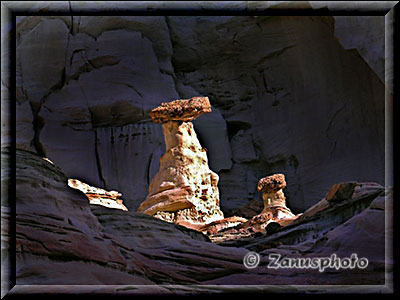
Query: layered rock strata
[98, 196]
[63, 240]
[342, 200]
[274, 215]
[184, 191]
[274, 198]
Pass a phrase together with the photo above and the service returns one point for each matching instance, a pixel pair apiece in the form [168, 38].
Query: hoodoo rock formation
[84, 102]
[274, 215]
[274, 198]
[184, 191]
[301, 96]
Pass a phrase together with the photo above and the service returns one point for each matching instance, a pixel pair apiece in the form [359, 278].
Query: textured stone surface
[249, 209]
[272, 183]
[54, 226]
[185, 110]
[370, 44]
[184, 190]
[273, 92]
[341, 191]
[98, 196]
[24, 131]
[265, 84]
[362, 234]
[62, 240]
[302, 74]
[212, 133]
[45, 42]
[236, 187]
[312, 225]
[275, 207]
[242, 148]
[124, 164]
[91, 107]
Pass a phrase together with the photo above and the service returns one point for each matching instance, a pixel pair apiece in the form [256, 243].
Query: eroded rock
[97, 195]
[184, 191]
[61, 239]
[181, 110]
[274, 215]
[274, 198]
[340, 192]
[84, 83]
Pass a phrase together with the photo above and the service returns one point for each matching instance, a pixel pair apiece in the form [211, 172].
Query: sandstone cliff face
[286, 96]
[287, 79]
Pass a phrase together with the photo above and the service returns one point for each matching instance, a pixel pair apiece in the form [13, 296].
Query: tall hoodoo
[184, 191]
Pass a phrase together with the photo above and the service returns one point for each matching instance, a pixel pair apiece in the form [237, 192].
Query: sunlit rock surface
[185, 190]
[98, 196]
[274, 199]
[181, 110]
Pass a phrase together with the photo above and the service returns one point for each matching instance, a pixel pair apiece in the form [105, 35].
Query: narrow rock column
[184, 191]
[274, 199]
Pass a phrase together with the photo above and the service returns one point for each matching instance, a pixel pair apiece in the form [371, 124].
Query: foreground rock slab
[62, 239]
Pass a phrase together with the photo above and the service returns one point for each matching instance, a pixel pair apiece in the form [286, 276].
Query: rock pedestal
[184, 191]
[274, 199]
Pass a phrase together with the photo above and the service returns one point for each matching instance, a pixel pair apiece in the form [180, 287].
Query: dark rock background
[287, 97]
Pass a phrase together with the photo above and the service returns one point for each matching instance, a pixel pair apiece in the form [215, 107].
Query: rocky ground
[63, 239]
